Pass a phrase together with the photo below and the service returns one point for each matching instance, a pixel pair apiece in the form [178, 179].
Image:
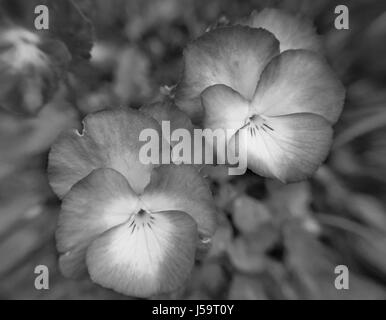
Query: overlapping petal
[137, 241]
[177, 130]
[293, 32]
[95, 204]
[167, 111]
[234, 56]
[126, 248]
[225, 111]
[153, 255]
[180, 187]
[30, 69]
[110, 139]
[138, 245]
[284, 129]
[299, 81]
[224, 108]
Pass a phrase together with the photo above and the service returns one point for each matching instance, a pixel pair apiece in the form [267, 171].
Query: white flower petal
[225, 111]
[148, 255]
[224, 108]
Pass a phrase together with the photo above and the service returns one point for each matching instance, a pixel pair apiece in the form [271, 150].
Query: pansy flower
[280, 99]
[134, 227]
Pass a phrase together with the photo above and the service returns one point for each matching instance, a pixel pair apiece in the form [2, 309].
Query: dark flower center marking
[141, 219]
[141, 212]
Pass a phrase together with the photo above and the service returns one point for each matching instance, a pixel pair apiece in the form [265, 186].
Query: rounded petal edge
[110, 139]
[148, 259]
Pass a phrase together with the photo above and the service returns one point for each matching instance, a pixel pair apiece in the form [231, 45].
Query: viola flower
[134, 227]
[281, 105]
[31, 69]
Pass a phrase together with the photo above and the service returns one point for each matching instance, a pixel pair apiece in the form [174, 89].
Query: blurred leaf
[221, 239]
[368, 244]
[290, 199]
[369, 210]
[132, 79]
[26, 137]
[363, 126]
[31, 70]
[372, 250]
[249, 214]
[144, 15]
[246, 288]
[225, 195]
[244, 259]
[25, 240]
[210, 278]
[22, 194]
[216, 173]
[313, 266]
[70, 25]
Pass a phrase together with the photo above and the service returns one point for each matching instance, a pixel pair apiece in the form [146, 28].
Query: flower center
[256, 123]
[141, 219]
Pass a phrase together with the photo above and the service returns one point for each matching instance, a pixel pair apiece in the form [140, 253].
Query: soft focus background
[274, 241]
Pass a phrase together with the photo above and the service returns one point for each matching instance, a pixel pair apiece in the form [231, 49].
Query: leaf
[22, 194]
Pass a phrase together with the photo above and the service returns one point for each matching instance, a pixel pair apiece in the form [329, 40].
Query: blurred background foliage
[274, 241]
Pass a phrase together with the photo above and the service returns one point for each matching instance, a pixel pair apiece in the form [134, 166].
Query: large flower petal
[100, 201]
[177, 129]
[224, 108]
[180, 187]
[150, 255]
[293, 32]
[234, 56]
[225, 111]
[289, 147]
[109, 139]
[299, 81]
[166, 110]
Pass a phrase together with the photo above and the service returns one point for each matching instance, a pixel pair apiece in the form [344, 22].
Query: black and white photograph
[208, 150]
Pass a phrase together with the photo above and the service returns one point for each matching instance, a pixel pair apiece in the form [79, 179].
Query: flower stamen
[256, 122]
